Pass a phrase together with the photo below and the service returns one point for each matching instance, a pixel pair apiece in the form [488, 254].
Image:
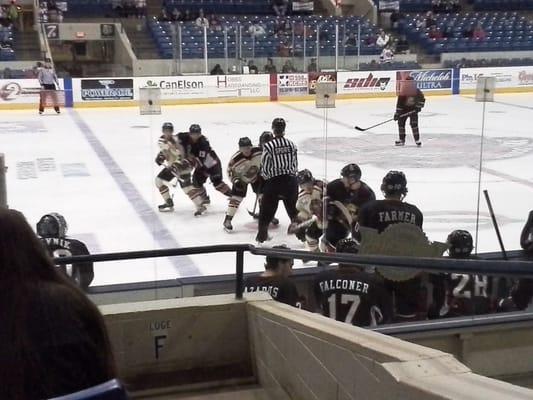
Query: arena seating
[6, 43]
[504, 31]
[486, 5]
[222, 6]
[265, 45]
[89, 8]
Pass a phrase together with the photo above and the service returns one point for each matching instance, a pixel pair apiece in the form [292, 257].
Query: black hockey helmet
[195, 128]
[278, 126]
[304, 176]
[393, 183]
[351, 171]
[167, 126]
[461, 243]
[52, 225]
[245, 142]
[266, 136]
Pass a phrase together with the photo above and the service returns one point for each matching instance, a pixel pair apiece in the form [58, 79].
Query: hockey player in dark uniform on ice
[344, 198]
[410, 100]
[379, 214]
[350, 295]
[178, 163]
[243, 170]
[275, 280]
[207, 164]
[52, 229]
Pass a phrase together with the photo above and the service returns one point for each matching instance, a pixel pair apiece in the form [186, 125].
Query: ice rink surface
[96, 167]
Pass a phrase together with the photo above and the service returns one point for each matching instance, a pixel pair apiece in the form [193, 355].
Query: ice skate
[399, 143]
[166, 206]
[418, 143]
[200, 210]
[227, 224]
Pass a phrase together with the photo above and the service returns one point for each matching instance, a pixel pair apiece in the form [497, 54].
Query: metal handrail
[517, 269]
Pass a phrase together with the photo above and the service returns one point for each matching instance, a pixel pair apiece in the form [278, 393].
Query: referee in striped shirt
[279, 166]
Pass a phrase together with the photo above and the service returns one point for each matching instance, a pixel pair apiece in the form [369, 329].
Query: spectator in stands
[256, 29]
[284, 49]
[201, 21]
[420, 23]
[214, 23]
[53, 340]
[275, 280]
[164, 17]
[217, 70]
[479, 33]
[402, 45]
[430, 20]
[312, 67]
[176, 15]
[187, 16]
[395, 18]
[280, 7]
[283, 28]
[434, 33]
[382, 40]
[13, 14]
[350, 41]
[288, 67]
[386, 56]
[270, 68]
[140, 8]
[252, 68]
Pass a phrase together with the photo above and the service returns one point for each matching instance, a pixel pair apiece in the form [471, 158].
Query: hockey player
[52, 229]
[243, 169]
[410, 101]
[350, 295]
[208, 164]
[309, 225]
[265, 137]
[177, 164]
[379, 214]
[344, 198]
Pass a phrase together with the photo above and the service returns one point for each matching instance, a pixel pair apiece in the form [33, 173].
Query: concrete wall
[300, 355]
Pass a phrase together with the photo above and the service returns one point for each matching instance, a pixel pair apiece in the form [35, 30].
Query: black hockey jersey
[410, 103]
[81, 273]
[202, 151]
[352, 296]
[281, 289]
[344, 204]
[379, 214]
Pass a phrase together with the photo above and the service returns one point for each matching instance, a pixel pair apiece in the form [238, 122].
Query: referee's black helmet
[278, 126]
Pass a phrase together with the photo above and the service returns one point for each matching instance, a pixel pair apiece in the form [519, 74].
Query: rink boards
[124, 91]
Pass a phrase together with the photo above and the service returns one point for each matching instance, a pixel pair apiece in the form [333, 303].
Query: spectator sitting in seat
[187, 15]
[214, 23]
[53, 340]
[256, 29]
[430, 20]
[351, 40]
[284, 49]
[313, 67]
[434, 33]
[387, 55]
[479, 33]
[382, 40]
[176, 15]
[270, 68]
[402, 45]
[275, 280]
[420, 23]
[252, 68]
[201, 21]
[163, 17]
[288, 68]
[280, 7]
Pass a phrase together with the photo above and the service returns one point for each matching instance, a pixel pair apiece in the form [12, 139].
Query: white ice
[109, 216]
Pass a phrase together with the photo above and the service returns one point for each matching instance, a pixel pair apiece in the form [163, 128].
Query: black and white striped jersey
[280, 157]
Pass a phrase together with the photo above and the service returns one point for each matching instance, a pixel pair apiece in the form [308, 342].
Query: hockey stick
[275, 221]
[384, 122]
[495, 223]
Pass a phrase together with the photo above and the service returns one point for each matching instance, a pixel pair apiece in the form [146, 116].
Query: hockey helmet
[195, 128]
[304, 176]
[461, 243]
[347, 245]
[393, 183]
[245, 142]
[278, 126]
[52, 225]
[351, 171]
[167, 126]
[265, 137]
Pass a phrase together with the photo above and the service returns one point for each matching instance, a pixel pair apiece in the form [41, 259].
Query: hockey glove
[396, 116]
[160, 159]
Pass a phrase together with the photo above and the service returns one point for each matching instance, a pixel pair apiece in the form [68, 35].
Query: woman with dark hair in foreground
[53, 340]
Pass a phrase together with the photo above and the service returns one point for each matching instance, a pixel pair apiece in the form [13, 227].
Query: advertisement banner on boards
[366, 82]
[177, 87]
[428, 79]
[106, 89]
[21, 91]
[506, 77]
[315, 77]
[293, 84]
[242, 85]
